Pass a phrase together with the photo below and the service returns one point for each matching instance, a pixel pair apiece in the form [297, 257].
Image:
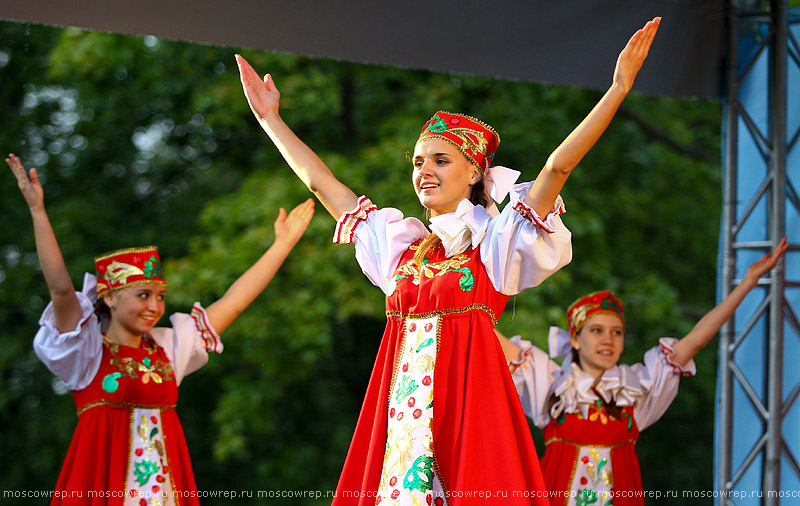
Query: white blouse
[75, 356]
[518, 248]
[649, 387]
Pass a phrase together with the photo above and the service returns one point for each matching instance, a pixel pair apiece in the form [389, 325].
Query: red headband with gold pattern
[589, 305]
[128, 267]
[474, 138]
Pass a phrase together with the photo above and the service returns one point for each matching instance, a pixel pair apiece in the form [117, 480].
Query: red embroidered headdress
[589, 305]
[128, 267]
[474, 138]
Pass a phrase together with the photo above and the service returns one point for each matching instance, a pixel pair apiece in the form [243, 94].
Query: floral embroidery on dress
[151, 370]
[597, 478]
[413, 271]
[408, 475]
[148, 471]
[598, 412]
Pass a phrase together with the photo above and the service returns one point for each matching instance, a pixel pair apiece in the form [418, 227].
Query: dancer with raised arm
[592, 408]
[124, 372]
[441, 422]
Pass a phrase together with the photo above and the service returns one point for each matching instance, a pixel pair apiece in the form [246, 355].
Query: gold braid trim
[121, 405]
[125, 251]
[445, 312]
[562, 440]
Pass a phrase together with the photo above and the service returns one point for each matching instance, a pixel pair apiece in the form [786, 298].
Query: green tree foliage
[143, 141]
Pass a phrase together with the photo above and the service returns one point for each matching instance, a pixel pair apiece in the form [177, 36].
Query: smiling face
[442, 176]
[135, 310]
[599, 343]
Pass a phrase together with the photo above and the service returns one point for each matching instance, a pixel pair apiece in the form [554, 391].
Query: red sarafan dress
[441, 422]
[590, 453]
[128, 447]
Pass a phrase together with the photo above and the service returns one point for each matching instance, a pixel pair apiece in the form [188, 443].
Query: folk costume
[441, 422]
[591, 426]
[128, 447]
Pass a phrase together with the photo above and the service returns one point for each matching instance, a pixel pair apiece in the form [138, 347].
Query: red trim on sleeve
[346, 224]
[210, 337]
[529, 214]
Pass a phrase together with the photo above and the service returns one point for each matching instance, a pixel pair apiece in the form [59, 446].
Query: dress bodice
[130, 377]
[443, 285]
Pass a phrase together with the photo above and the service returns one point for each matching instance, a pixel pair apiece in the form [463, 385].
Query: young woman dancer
[591, 408]
[440, 421]
[124, 372]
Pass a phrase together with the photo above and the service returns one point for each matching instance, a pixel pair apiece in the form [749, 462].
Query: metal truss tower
[758, 411]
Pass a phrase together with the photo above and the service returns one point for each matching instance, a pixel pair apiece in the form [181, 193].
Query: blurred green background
[149, 141]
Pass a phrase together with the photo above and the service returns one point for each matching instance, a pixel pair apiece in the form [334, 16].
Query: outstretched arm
[264, 99]
[511, 350]
[66, 308]
[566, 157]
[709, 325]
[288, 230]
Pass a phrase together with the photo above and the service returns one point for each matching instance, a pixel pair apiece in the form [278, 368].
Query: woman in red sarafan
[591, 408]
[124, 372]
[441, 421]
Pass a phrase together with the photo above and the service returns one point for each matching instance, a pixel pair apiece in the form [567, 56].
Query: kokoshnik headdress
[559, 340]
[128, 267]
[478, 142]
[474, 138]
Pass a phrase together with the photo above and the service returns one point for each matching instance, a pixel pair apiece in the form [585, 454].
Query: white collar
[461, 229]
[573, 389]
[468, 224]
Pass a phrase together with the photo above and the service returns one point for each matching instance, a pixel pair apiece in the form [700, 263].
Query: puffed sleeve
[381, 236]
[73, 356]
[189, 341]
[660, 377]
[533, 374]
[521, 249]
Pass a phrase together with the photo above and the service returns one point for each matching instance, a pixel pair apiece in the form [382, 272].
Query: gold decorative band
[125, 251]
[121, 405]
[445, 312]
[573, 443]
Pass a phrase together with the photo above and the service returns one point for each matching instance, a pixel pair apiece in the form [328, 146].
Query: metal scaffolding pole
[751, 396]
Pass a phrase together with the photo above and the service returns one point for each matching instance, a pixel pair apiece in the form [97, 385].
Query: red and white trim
[668, 353]
[346, 224]
[210, 337]
[529, 214]
[513, 365]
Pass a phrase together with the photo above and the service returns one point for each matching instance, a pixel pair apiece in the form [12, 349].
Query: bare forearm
[66, 307]
[249, 285]
[708, 326]
[511, 350]
[571, 151]
[312, 171]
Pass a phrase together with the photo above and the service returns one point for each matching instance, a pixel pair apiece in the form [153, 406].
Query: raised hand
[766, 263]
[262, 95]
[244, 290]
[631, 58]
[709, 325]
[290, 228]
[30, 186]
